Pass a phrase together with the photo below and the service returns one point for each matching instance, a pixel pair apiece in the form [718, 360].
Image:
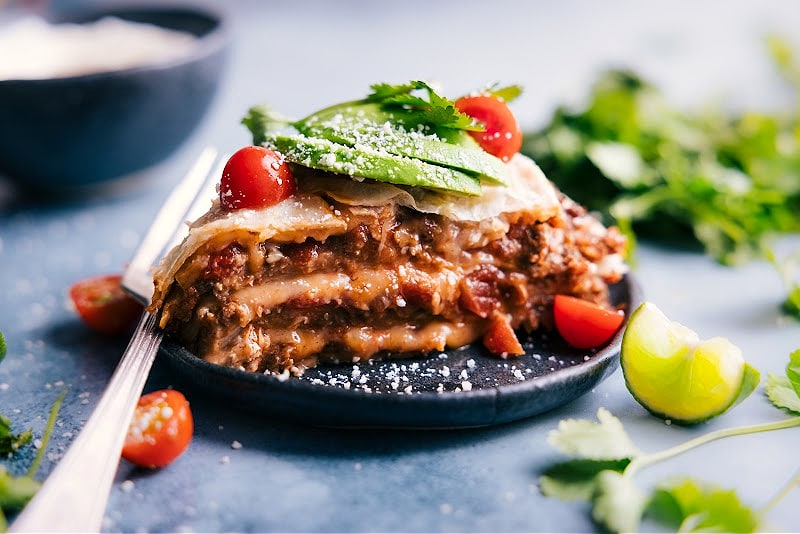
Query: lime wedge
[676, 375]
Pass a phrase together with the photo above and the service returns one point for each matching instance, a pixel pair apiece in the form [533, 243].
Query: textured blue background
[300, 56]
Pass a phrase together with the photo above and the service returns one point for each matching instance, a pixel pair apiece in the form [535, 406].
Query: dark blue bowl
[63, 133]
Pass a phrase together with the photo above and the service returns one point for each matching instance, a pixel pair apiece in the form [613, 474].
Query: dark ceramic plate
[458, 388]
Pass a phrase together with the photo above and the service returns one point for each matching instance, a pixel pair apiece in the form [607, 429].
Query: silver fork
[74, 496]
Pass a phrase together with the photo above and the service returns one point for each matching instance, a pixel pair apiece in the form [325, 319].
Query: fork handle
[74, 496]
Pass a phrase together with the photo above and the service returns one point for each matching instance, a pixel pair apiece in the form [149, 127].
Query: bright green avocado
[370, 162]
[400, 132]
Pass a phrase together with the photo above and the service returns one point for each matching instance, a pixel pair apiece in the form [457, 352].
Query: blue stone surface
[249, 473]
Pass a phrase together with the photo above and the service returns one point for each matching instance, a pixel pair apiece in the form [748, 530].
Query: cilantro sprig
[604, 460]
[432, 108]
[16, 491]
[10, 442]
[726, 182]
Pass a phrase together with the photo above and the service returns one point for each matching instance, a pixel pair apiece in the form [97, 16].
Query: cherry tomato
[104, 306]
[584, 324]
[500, 338]
[502, 136]
[255, 177]
[161, 429]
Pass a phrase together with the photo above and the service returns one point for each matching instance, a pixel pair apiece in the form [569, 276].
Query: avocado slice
[401, 133]
[369, 162]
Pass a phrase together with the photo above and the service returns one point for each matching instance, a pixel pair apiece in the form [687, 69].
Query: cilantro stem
[48, 430]
[643, 460]
[794, 481]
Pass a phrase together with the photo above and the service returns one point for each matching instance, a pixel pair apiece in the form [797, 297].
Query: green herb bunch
[728, 183]
[604, 461]
[16, 491]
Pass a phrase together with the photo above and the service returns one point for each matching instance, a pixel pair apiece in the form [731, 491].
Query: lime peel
[674, 374]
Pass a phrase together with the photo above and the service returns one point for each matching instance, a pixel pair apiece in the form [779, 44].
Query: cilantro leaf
[15, 491]
[780, 392]
[792, 303]
[384, 91]
[692, 507]
[788, 268]
[664, 508]
[618, 504]
[793, 370]
[621, 163]
[575, 480]
[508, 93]
[784, 58]
[436, 110]
[3, 347]
[10, 442]
[784, 391]
[604, 440]
[261, 120]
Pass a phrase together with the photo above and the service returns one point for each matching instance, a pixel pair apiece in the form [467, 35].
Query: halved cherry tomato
[104, 306]
[160, 430]
[255, 177]
[584, 324]
[502, 136]
[500, 338]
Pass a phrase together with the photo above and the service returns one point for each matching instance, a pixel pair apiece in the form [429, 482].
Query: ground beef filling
[397, 282]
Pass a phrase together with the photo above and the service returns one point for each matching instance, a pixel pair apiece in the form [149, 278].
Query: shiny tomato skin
[255, 177]
[584, 324]
[502, 136]
[500, 338]
[103, 305]
[160, 430]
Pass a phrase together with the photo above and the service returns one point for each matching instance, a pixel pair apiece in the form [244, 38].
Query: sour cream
[31, 48]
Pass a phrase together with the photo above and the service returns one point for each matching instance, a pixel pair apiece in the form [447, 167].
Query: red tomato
[104, 306]
[500, 338]
[584, 324]
[255, 177]
[161, 429]
[502, 137]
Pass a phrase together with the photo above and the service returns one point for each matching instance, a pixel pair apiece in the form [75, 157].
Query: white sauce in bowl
[31, 48]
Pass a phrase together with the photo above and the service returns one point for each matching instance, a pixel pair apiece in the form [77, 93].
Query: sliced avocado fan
[401, 133]
[391, 136]
[363, 161]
